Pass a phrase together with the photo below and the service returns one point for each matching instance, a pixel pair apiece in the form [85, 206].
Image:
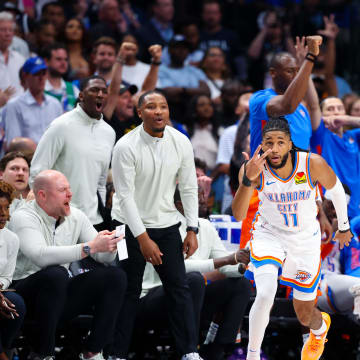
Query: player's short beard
[158, 130]
[281, 165]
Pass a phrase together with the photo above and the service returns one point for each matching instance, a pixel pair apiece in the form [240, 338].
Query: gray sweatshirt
[80, 147]
[42, 244]
[9, 246]
[145, 172]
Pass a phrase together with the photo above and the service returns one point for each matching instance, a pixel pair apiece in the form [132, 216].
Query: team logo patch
[302, 275]
[300, 178]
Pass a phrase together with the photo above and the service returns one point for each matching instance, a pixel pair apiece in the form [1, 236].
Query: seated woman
[203, 129]
[217, 71]
[12, 307]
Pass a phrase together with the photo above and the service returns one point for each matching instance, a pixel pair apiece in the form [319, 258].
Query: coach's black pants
[51, 296]
[179, 304]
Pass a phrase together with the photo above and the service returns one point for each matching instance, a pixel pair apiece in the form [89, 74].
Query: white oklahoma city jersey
[289, 204]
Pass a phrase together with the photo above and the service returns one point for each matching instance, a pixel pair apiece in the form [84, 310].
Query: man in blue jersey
[340, 148]
[291, 85]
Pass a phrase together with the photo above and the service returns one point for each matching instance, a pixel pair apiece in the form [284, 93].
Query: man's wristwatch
[192, 228]
[86, 249]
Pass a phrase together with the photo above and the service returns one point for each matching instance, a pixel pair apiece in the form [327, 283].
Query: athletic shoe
[34, 356]
[191, 356]
[98, 356]
[314, 346]
[355, 292]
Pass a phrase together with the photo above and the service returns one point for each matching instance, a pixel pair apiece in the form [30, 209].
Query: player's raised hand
[344, 238]
[313, 43]
[301, 49]
[255, 166]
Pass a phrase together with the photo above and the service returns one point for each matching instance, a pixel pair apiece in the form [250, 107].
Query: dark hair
[7, 191]
[85, 38]
[277, 124]
[105, 40]
[225, 73]
[46, 51]
[10, 157]
[200, 164]
[52, 3]
[192, 117]
[39, 25]
[145, 94]
[276, 59]
[84, 82]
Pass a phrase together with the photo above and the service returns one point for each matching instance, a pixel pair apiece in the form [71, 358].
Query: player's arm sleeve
[123, 165]
[33, 244]
[47, 151]
[188, 185]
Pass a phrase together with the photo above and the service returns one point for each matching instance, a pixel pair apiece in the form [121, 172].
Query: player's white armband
[338, 197]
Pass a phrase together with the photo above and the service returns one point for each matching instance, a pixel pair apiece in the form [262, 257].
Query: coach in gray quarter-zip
[79, 144]
[53, 234]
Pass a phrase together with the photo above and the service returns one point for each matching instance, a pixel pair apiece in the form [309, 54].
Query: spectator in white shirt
[31, 113]
[10, 61]
[57, 60]
[52, 235]
[79, 144]
[147, 162]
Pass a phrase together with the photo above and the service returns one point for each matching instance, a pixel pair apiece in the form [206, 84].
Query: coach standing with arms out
[147, 163]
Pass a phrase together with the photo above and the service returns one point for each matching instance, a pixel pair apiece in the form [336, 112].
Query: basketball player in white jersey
[286, 234]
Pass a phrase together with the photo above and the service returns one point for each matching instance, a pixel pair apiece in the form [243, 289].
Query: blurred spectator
[133, 16]
[134, 70]
[159, 29]
[229, 97]
[124, 118]
[178, 81]
[334, 145]
[354, 109]
[104, 57]
[79, 11]
[75, 39]
[191, 32]
[91, 139]
[22, 144]
[347, 100]
[12, 307]
[44, 35]
[54, 12]
[57, 61]
[214, 34]
[203, 129]
[30, 114]
[216, 70]
[111, 22]
[273, 37]
[226, 147]
[10, 61]
[14, 170]
[326, 82]
[53, 234]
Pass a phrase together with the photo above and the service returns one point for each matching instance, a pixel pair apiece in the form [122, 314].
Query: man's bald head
[279, 58]
[45, 180]
[52, 193]
[23, 144]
